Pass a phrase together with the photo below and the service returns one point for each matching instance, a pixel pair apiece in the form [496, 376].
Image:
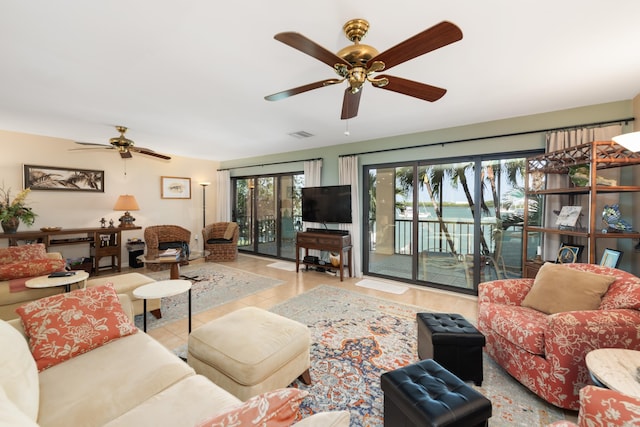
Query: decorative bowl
[51, 229]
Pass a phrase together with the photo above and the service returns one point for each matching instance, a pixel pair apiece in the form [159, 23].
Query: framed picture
[569, 253]
[611, 258]
[41, 178]
[173, 187]
[568, 216]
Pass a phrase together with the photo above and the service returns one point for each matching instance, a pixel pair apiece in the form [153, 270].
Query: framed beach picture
[611, 258]
[569, 253]
[173, 187]
[55, 178]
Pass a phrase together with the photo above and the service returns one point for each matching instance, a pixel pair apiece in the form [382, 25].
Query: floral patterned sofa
[19, 264]
[601, 407]
[546, 351]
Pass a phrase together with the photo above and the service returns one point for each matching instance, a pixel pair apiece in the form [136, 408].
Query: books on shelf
[170, 253]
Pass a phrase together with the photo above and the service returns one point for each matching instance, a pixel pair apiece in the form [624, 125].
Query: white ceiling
[188, 77]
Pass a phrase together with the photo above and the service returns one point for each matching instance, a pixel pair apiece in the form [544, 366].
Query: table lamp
[126, 203]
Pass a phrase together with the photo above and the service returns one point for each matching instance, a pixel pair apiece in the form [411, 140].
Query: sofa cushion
[558, 289]
[228, 232]
[18, 372]
[522, 326]
[185, 403]
[277, 408]
[32, 268]
[62, 326]
[139, 368]
[623, 293]
[22, 253]
[10, 415]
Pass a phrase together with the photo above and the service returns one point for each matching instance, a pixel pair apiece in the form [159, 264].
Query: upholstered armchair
[160, 237]
[601, 407]
[221, 240]
[544, 345]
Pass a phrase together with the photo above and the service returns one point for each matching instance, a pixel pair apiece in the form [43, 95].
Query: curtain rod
[269, 164]
[504, 135]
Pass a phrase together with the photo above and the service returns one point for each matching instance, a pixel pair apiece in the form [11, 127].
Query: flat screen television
[329, 204]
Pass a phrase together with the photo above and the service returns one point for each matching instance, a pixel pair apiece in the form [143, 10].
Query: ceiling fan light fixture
[357, 63]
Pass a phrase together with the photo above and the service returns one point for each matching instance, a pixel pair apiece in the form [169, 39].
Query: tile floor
[175, 334]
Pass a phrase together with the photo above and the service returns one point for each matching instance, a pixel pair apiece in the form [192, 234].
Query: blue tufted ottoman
[453, 342]
[426, 394]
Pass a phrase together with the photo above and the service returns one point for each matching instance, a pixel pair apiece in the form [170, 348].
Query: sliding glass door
[450, 224]
[268, 212]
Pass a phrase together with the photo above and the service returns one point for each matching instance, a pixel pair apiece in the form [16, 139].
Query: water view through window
[447, 224]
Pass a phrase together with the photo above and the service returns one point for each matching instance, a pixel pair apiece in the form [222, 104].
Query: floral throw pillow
[63, 326]
[36, 267]
[22, 253]
[276, 408]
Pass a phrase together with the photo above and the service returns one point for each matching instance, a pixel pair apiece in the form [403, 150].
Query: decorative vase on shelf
[611, 216]
[10, 226]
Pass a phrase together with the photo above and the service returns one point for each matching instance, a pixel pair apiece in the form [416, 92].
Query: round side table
[616, 368]
[66, 281]
[162, 289]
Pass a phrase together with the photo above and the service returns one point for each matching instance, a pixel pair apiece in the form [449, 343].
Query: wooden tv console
[324, 241]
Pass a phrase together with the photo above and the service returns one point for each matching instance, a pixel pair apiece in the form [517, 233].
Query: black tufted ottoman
[426, 394]
[452, 341]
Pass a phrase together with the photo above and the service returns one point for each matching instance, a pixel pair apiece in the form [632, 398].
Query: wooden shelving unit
[598, 155]
[103, 242]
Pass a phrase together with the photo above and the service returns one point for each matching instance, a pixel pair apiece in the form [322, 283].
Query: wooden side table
[531, 268]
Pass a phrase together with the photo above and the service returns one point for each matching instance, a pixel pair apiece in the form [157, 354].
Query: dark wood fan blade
[350, 104]
[430, 39]
[301, 89]
[411, 88]
[311, 48]
[125, 154]
[94, 144]
[149, 152]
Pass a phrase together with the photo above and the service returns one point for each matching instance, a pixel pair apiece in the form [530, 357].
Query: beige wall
[85, 209]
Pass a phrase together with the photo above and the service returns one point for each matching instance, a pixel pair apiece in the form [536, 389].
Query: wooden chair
[221, 240]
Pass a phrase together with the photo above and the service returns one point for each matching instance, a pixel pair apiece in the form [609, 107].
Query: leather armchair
[221, 240]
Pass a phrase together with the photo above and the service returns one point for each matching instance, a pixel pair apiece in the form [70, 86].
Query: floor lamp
[204, 205]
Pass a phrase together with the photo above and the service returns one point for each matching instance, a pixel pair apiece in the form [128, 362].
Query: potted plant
[14, 211]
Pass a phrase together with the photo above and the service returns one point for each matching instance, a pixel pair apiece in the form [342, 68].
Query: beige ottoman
[251, 351]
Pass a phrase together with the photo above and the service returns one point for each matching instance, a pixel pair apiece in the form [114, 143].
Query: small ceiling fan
[123, 145]
[358, 63]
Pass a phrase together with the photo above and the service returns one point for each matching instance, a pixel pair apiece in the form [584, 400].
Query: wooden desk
[616, 368]
[104, 242]
[332, 242]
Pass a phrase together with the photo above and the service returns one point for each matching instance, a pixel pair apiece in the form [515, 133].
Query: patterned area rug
[356, 338]
[219, 285]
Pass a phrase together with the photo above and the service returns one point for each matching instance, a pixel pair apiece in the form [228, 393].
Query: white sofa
[130, 381]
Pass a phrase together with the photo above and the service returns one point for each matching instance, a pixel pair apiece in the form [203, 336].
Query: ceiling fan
[124, 146]
[358, 63]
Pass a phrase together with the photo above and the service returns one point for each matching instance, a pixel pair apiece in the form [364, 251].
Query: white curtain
[567, 138]
[348, 175]
[223, 189]
[313, 178]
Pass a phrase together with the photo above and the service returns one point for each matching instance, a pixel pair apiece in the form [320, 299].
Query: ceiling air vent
[301, 134]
